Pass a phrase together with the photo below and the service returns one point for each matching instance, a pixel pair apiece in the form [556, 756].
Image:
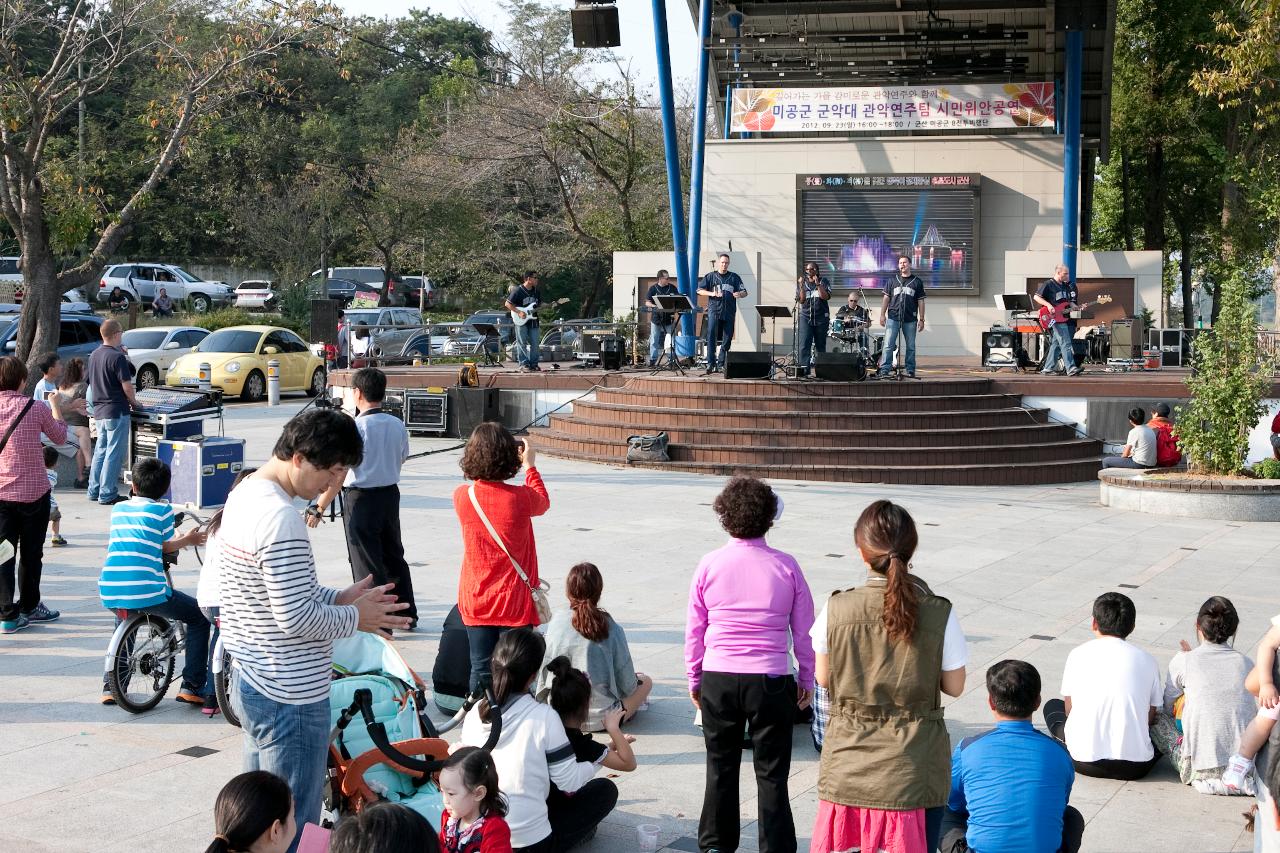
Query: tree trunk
[1126, 219]
[1184, 267]
[385, 298]
[1275, 285]
[1153, 200]
[39, 322]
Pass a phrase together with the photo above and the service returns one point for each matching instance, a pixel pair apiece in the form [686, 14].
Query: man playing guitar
[521, 302]
[1054, 293]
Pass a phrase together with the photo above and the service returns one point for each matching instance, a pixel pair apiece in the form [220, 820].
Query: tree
[56, 53]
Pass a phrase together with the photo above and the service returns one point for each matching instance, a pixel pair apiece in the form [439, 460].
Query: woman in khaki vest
[885, 652]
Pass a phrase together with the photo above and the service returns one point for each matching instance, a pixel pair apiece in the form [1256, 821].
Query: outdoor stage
[958, 424]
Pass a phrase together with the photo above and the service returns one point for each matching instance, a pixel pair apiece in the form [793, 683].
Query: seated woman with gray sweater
[597, 645]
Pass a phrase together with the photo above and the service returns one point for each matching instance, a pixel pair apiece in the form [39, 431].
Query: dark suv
[79, 334]
[393, 284]
[501, 319]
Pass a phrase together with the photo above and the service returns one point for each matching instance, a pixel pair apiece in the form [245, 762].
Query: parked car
[143, 281]
[256, 294]
[413, 292]
[398, 326]
[467, 340]
[393, 284]
[153, 349]
[11, 269]
[499, 318]
[78, 335]
[346, 291]
[238, 357]
[72, 300]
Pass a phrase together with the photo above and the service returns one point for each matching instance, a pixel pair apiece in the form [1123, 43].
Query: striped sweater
[133, 574]
[278, 623]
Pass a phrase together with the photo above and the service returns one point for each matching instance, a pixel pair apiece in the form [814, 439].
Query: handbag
[538, 593]
[4, 442]
[648, 448]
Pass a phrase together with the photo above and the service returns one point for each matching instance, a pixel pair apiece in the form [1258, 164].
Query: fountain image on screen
[855, 227]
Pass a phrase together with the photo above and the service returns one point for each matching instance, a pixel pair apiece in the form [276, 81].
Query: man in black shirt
[812, 293]
[110, 377]
[660, 322]
[722, 289]
[1053, 293]
[901, 310]
[521, 302]
[856, 318]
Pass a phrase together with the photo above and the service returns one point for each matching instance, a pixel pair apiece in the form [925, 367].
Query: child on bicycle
[134, 577]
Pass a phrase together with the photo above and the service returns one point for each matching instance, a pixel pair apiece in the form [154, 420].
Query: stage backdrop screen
[856, 226]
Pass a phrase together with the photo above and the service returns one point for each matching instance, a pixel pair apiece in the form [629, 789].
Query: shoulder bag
[4, 442]
[538, 593]
[648, 448]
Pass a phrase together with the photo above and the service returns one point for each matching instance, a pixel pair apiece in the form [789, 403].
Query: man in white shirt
[1111, 692]
[50, 367]
[1139, 448]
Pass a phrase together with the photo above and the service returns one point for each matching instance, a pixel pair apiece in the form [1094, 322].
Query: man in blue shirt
[1010, 785]
[901, 311]
[1053, 293]
[722, 289]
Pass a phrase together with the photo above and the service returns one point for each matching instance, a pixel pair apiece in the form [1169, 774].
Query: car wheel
[317, 386]
[255, 387]
[199, 303]
[148, 377]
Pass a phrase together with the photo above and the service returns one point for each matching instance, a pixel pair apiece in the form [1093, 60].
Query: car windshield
[231, 340]
[143, 338]
[357, 318]
[184, 275]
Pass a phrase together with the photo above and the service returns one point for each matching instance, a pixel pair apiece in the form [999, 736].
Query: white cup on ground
[647, 836]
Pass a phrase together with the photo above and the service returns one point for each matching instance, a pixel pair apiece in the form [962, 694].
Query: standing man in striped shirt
[278, 623]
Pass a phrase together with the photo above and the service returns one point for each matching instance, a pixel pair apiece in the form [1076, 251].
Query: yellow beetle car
[238, 356]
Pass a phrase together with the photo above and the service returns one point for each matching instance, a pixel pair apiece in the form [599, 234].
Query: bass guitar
[530, 312]
[1050, 317]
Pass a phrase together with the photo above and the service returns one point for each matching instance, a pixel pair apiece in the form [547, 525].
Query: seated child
[254, 811]
[474, 808]
[134, 578]
[1240, 767]
[570, 696]
[55, 515]
[384, 828]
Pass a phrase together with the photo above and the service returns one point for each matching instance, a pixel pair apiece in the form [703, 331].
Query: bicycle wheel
[222, 686]
[143, 668]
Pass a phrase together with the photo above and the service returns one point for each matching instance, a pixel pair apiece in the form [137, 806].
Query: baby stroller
[397, 753]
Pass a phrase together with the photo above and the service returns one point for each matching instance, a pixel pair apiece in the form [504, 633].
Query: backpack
[1167, 452]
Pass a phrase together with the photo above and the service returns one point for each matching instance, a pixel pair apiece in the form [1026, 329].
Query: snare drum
[837, 328]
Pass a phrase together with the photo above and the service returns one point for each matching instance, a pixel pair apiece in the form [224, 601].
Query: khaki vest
[886, 745]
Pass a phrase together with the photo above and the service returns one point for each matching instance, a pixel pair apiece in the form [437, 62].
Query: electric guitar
[529, 312]
[1050, 317]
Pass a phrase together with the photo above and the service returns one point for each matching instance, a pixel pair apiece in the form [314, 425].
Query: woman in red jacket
[492, 596]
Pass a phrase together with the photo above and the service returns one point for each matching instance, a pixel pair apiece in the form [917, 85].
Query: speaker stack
[839, 366]
[741, 364]
[1127, 338]
[1002, 347]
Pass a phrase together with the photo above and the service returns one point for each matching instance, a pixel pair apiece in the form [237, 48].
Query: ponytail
[218, 845]
[247, 806]
[583, 588]
[570, 691]
[886, 535]
[516, 660]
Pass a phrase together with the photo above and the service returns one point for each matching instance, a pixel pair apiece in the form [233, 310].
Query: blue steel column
[1071, 151]
[673, 164]
[699, 145]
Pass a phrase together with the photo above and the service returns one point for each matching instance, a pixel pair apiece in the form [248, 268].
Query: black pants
[574, 817]
[371, 518]
[955, 824]
[24, 524]
[1055, 720]
[767, 705]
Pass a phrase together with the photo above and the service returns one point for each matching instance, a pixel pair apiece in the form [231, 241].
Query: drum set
[852, 334]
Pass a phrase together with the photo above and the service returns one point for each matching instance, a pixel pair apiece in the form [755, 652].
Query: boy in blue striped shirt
[133, 577]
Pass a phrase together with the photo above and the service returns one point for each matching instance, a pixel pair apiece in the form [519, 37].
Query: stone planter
[1190, 497]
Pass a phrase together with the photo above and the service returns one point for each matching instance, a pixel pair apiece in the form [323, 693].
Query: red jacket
[489, 590]
[494, 836]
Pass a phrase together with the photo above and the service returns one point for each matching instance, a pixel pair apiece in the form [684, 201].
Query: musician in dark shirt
[812, 293]
[521, 302]
[660, 322]
[722, 289]
[856, 319]
[1054, 293]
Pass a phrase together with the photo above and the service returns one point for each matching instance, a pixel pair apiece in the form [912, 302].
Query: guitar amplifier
[426, 411]
[1127, 337]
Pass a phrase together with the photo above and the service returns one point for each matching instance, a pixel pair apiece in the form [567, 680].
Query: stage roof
[911, 42]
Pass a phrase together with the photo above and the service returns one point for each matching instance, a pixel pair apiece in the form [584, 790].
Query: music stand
[773, 312]
[675, 304]
[489, 331]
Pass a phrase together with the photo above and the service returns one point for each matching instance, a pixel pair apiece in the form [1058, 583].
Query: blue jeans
[891, 329]
[195, 666]
[1059, 346]
[813, 337]
[658, 339]
[481, 640]
[108, 458]
[719, 333]
[527, 349]
[291, 741]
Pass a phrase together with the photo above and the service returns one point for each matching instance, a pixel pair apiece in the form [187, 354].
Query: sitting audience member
[1139, 448]
[1261, 682]
[50, 367]
[533, 751]
[452, 670]
[1205, 694]
[1167, 452]
[1010, 785]
[570, 695]
[1275, 436]
[117, 301]
[1110, 695]
[253, 812]
[133, 576]
[70, 407]
[384, 828]
[597, 645]
[474, 809]
[162, 306]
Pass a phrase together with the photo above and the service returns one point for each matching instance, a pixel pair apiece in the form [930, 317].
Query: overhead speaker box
[747, 365]
[595, 26]
[839, 366]
[1079, 15]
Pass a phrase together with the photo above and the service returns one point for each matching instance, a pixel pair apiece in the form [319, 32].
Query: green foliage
[295, 307]
[1267, 469]
[1231, 378]
[224, 317]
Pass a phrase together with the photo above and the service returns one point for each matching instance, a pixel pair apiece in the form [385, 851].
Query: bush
[1267, 469]
[1231, 377]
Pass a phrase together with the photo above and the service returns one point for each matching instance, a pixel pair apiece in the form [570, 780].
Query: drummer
[854, 318]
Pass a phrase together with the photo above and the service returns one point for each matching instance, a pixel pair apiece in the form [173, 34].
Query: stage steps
[950, 431]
